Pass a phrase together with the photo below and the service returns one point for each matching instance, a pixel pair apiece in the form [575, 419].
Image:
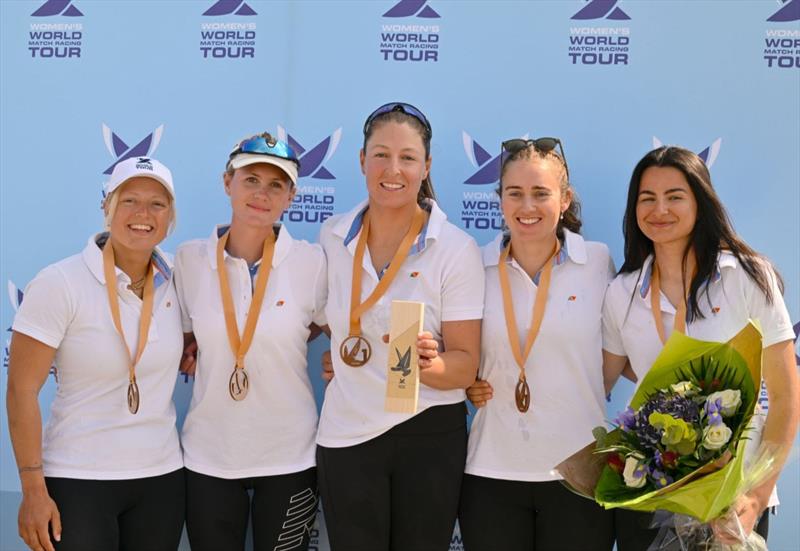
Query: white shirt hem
[57, 472]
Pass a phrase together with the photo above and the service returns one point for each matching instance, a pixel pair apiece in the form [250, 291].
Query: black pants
[129, 515]
[399, 490]
[283, 511]
[634, 533]
[508, 514]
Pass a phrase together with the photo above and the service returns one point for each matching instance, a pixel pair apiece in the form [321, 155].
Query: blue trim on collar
[416, 248]
[648, 273]
[163, 271]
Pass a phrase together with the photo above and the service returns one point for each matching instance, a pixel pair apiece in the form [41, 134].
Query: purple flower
[714, 412]
[626, 419]
[660, 478]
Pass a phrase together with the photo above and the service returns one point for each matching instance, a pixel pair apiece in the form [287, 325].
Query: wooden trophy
[402, 375]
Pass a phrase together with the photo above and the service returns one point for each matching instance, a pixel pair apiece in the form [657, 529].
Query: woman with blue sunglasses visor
[391, 480]
[250, 294]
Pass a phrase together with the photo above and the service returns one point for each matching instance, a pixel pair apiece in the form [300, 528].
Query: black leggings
[283, 511]
[634, 533]
[129, 515]
[399, 490]
[509, 514]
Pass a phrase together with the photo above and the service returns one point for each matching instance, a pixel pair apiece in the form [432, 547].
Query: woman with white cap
[252, 419]
[107, 473]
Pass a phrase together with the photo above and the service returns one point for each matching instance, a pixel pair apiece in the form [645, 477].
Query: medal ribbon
[113, 302]
[239, 347]
[538, 307]
[356, 309]
[655, 306]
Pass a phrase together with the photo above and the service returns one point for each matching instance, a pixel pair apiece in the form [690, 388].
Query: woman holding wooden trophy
[540, 391]
[389, 475]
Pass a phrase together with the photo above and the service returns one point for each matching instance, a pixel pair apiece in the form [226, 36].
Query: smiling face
[259, 194]
[140, 214]
[394, 164]
[531, 198]
[666, 208]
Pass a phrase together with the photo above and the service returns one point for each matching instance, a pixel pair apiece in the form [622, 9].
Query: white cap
[244, 159]
[136, 167]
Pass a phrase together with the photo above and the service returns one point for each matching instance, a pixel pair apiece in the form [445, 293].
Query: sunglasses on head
[406, 108]
[545, 145]
[264, 144]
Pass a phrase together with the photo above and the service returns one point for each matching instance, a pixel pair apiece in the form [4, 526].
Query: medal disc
[133, 397]
[239, 384]
[522, 395]
[355, 351]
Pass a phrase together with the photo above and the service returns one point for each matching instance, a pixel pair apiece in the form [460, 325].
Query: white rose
[684, 388]
[730, 400]
[633, 475]
[716, 436]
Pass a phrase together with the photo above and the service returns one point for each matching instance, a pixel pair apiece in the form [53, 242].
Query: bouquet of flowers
[679, 445]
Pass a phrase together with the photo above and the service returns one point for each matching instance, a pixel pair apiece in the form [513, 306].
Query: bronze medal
[239, 384]
[133, 397]
[109, 272]
[522, 395]
[522, 392]
[359, 352]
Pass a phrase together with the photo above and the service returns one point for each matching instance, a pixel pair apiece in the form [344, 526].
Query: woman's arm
[783, 386]
[613, 367]
[457, 365]
[28, 368]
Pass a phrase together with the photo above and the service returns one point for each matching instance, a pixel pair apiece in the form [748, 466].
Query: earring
[562, 216]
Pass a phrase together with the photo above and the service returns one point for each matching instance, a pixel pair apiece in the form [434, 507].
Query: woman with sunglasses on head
[540, 392]
[391, 480]
[687, 270]
[249, 295]
[107, 473]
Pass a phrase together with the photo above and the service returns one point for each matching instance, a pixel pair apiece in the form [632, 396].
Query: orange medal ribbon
[239, 384]
[655, 306]
[144, 319]
[359, 346]
[522, 393]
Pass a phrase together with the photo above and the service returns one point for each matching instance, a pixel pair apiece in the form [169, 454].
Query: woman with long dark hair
[683, 257]
[391, 480]
[541, 387]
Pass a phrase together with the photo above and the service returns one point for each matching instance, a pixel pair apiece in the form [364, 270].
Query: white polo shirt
[272, 430]
[443, 270]
[90, 433]
[629, 329]
[564, 369]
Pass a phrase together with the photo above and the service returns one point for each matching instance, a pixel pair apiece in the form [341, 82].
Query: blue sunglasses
[264, 144]
[406, 108]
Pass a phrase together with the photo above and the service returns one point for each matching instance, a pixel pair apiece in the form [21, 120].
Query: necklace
[137, 285]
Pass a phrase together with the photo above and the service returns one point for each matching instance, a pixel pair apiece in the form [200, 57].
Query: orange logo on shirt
[715, 310]
[414, 274]
[279, 303]
[572, 298]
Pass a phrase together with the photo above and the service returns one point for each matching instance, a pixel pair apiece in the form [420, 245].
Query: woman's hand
[736, 526]
[37, 514]
[479, 393]
[327, 366]
[188, 364]
[427, 348]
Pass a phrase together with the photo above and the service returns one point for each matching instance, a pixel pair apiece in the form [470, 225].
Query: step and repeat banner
[88, 83]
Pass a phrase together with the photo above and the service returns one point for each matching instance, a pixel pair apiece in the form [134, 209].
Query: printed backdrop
[87, 83]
